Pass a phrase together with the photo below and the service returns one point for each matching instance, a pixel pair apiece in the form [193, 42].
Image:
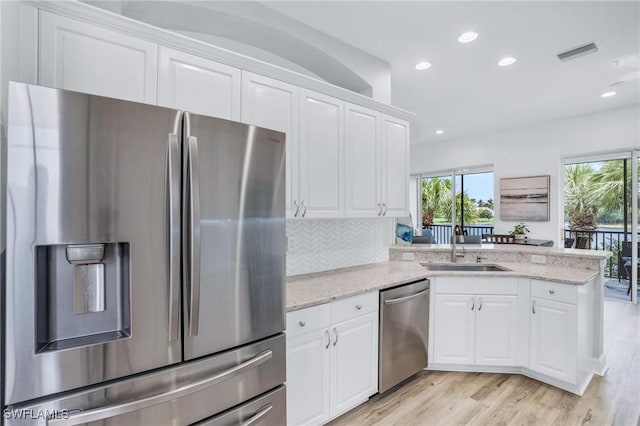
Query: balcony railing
[607, 240]
[442, 233]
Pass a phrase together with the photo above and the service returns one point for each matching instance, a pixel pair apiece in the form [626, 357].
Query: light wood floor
[450, 398]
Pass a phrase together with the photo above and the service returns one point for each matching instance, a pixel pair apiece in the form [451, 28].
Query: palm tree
[608, 186]
[470, 210]
[578, 189]
[435, 191]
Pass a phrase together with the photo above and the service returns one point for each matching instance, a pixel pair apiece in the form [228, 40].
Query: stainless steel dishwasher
[404, 328]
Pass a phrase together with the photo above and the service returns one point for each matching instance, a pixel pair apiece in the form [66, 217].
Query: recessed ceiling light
[422, 65]
[439, 132]
[608, 94]
[467, 37]
[505, 62]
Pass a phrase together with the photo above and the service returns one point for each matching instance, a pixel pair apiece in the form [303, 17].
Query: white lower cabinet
[308, 376]
[476, 329]
[332, 358]
[542, 329]
[455, 324]
[554, 332]
[496, 330]
[475, 321]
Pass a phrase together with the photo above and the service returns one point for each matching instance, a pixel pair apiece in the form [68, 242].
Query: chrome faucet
[454, 237]
[455, 254]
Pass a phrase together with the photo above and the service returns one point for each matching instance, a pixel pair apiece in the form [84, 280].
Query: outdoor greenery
[436, 204]
[595, 195]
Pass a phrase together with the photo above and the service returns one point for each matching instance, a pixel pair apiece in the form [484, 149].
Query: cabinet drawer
[352, 307]
[309, 319]
[475, 285]
[554, 291]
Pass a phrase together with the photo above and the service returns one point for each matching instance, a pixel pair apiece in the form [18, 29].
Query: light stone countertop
[551, 251]
[314, 289]
[322, 287]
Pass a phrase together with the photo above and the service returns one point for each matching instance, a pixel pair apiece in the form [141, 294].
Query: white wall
[536, 149]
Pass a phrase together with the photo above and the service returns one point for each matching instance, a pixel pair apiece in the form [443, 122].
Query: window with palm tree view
[597, 216]
[474, 204]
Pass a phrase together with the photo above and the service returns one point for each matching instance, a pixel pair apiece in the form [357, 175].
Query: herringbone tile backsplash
[322, 244]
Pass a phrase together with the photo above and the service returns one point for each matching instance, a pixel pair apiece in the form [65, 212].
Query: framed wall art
[524, 199]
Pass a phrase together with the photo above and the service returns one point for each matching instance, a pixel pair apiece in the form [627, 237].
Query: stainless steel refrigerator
[145, 265]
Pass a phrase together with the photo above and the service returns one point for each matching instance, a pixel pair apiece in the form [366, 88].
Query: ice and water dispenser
[82, 294]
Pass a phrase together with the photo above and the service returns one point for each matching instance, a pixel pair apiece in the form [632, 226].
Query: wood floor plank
[453, 398]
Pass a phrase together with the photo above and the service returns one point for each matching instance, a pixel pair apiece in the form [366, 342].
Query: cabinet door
[308, 378]
[553, 339]
[496, 330]
[198, 85]
[395, 166]
[362, 166]
[321, 155]
[273, 104]
[454, 329]
[86, 58]
[354, 362]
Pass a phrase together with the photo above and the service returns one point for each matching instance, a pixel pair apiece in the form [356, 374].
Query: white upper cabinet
[198, 85]
[395, 166]
[275, 105]
[77, 56]
[321, 165]
[362, 162]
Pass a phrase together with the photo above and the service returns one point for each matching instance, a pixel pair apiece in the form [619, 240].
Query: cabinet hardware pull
[385, 209]
[302, 323]
[304, 212]
[552, 291]
[297, 208]
[335, 332]
[358, 307]
[379, 209]
[328, 339]
[533, 306]
[473, 303]
[480, 307]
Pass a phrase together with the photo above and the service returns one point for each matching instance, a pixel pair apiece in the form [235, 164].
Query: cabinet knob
[552, 291]
[358, 307]
[302, 323]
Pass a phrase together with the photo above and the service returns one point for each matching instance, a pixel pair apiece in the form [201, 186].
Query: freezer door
[93, 240]
[234, 234]
[177, 396]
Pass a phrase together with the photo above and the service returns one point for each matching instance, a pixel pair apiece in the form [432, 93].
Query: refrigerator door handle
[258, 415]
[194, 240]
[173, 186]
[149, 401]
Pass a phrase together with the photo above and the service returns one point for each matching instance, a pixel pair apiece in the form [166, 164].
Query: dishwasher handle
[406, 298]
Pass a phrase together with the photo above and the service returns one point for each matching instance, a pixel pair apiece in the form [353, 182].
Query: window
[431, 203]
[598, 214]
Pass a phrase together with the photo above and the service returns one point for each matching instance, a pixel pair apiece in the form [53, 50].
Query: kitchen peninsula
[541, 315]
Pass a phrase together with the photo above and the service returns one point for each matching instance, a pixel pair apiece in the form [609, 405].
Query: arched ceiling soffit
[199, 19]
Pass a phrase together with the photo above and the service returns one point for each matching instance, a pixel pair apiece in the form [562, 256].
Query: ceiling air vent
[585, 49]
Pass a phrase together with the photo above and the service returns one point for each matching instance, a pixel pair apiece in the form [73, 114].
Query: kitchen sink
[472, 267]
